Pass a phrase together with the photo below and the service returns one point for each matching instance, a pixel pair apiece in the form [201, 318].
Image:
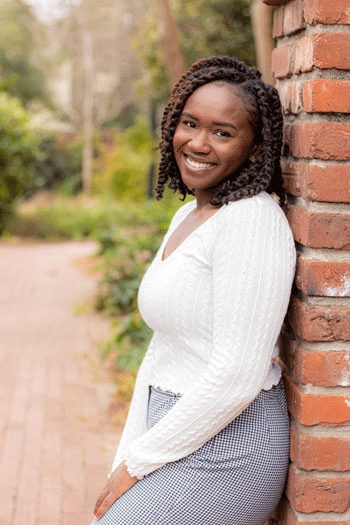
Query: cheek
[240, 152]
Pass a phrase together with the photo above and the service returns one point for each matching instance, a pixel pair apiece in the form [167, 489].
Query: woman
[207, 436]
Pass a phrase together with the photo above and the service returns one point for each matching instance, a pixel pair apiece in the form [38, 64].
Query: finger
[107, 502]
[101, 497]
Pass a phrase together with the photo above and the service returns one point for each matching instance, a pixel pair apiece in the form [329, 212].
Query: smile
[198, 165]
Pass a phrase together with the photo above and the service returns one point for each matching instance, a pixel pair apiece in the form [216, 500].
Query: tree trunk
[87, 111]
[169, 42]
[262, 31]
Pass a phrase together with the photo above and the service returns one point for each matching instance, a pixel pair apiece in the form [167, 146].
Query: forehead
[217, 102]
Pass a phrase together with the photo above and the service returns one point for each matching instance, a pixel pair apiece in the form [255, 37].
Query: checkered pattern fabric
[236, 478]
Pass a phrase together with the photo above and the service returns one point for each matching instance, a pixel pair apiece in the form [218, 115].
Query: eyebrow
[227, 124]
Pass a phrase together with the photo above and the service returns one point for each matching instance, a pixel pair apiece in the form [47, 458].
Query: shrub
[19, 151]
[60, 166]
[79, 217]
[128, 165]
[126, 255]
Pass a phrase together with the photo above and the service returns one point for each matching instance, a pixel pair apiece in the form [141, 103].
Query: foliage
[126, 255]
[210, 27]
[19, 152]
[225, 26]
[128, 165]
[21, 52]
[58, 218]
[154, 81]
[125, 261]
[60, 165]
[24, 80]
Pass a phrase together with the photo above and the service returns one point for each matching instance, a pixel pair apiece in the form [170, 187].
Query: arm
[120, 480]
[253, 267]
[135, 424]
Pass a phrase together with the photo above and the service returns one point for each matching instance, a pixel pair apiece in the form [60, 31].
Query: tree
[95, 39]
[169, 41]
[209, 27]
[21, 52]
[262, 28]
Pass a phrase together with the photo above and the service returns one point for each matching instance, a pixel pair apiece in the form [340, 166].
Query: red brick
[327, 12]
[323, 278]
[330, 183]
[316, 409]
[320, 140]
[318, 368]
[293, 17]
[326, 96]
[319, 452]
[278, 18]
[285, 93]
[320, 230]
[317, 494]
[287, 516]
[291, 95]
[319, 322]
[324, 368]
[322, 50]
[304, 59]
[282, 61]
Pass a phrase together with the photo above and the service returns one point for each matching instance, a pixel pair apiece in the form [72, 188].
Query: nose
[200, 141]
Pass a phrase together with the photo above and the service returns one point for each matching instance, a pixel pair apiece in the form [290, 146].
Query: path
[55, 447]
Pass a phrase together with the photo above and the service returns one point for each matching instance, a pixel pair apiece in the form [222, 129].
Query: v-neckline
[162, 260]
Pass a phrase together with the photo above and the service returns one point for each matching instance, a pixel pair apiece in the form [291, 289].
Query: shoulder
[255, 209]
[258, 220]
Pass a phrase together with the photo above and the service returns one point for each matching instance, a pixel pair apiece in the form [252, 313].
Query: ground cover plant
[126, 256]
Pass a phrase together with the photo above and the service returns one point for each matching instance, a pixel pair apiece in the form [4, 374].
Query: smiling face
[213, 138]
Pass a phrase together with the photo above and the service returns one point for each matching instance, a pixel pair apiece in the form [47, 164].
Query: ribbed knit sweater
[216, 305]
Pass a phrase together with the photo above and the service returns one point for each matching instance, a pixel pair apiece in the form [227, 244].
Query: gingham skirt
[235, 478]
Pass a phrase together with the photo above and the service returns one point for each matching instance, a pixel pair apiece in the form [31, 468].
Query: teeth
[195, 164]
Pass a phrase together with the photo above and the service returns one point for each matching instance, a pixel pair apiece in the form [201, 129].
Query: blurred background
[83, 84]
[82, 88]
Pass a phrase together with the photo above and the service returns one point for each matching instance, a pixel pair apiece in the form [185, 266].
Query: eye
[189, 124]
[222, 133]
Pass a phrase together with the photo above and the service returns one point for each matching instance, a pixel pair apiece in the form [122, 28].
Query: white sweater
[216, 305]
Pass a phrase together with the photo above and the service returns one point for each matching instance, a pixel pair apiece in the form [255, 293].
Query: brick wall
[311, 64]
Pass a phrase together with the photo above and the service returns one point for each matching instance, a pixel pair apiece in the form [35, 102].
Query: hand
[119, 482]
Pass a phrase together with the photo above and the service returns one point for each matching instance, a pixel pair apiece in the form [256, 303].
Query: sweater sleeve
[253, 262]
[135, 424]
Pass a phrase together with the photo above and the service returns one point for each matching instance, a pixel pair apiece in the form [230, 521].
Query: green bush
[79, 217]
[125, 263]
[60, 166]
[127, 254]
[19, 152]
[128, 165]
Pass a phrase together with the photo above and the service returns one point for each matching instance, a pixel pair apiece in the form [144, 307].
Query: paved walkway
[55, 447]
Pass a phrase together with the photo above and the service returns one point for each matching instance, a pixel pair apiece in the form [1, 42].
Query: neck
[203, 200]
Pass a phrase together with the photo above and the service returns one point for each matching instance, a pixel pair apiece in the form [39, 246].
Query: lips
[196, 164]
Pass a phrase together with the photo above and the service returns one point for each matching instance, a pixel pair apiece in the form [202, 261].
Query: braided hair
[260, 99]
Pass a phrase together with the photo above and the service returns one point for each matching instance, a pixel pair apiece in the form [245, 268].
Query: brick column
[311, 64]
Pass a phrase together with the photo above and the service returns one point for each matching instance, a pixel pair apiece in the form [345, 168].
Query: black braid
[260, 99]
